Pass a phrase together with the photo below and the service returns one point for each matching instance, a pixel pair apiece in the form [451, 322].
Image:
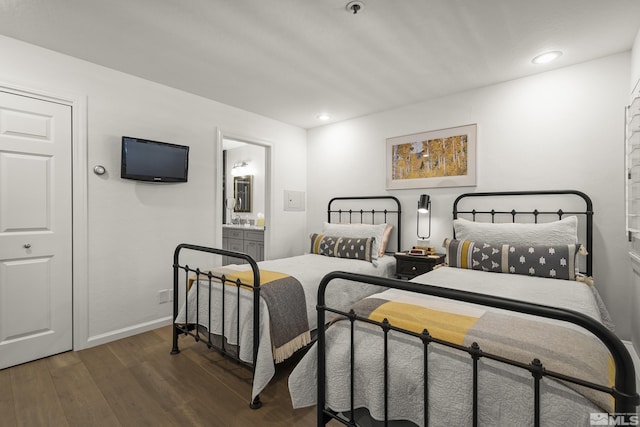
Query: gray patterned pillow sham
[343, 247]
[552, 261]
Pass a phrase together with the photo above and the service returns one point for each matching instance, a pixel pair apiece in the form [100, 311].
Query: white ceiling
[293, 59]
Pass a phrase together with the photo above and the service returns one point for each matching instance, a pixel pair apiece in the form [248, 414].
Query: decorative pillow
[385, 240]
[342, 247]
[322, 245]
[360, 230]
[552, 261]
[563, 232]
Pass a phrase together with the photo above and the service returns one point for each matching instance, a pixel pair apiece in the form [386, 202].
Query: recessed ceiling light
[323, 117]
[547, 57]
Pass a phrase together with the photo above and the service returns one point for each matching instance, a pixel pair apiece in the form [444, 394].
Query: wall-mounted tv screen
[154, 161]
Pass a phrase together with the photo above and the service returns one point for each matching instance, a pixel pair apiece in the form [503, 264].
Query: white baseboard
[128, 331]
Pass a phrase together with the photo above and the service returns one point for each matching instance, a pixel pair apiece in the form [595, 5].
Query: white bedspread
[309, 269]
[505, 397]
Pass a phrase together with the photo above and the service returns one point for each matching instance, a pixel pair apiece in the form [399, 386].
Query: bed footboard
[623, 392]
[192, 326]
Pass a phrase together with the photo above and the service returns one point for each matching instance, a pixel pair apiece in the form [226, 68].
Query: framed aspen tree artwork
[438, 158]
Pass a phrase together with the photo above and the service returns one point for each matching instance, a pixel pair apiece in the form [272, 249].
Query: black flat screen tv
[145, 160]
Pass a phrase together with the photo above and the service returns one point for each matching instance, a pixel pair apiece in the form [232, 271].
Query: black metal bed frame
[192, 329]
[624, 390]
[349, 213]
[587, 212]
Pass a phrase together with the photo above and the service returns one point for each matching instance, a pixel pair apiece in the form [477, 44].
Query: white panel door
[35, 229]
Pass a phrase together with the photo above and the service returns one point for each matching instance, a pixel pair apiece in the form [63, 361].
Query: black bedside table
[410, 266]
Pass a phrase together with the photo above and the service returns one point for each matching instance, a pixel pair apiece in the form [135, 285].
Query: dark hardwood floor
[136, 382]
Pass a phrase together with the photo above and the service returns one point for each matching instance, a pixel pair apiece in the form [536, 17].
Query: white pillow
[563, 232]
[357, 230]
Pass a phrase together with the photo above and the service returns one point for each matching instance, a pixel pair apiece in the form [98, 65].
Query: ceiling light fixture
[355, 6]
[323, 117]
[546, 57]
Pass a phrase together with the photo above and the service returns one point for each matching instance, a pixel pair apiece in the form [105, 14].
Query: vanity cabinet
[238, 239]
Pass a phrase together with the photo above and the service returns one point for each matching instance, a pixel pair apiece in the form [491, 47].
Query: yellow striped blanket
[517, 337]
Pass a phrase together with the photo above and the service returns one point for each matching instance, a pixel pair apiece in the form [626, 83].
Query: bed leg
[175, 349]
[255, 403]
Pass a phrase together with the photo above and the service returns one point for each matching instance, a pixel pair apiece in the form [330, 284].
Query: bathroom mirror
[242, 193]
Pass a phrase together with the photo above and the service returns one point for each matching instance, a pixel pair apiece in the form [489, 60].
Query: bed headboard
[531, 207]
[369, 210]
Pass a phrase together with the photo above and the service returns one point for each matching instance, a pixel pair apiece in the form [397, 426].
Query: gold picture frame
[438, 158]
[243, 193]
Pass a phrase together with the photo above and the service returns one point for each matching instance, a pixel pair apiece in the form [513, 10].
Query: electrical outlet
[165, 296]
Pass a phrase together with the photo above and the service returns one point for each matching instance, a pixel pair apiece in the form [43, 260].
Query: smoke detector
[355, 6]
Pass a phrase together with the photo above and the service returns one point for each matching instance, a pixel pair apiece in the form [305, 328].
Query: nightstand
[410, 266]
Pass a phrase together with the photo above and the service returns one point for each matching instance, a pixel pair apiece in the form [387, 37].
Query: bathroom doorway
[245, 190]
[243, 182]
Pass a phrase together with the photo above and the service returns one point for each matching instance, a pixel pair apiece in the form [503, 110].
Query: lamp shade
[423, 203]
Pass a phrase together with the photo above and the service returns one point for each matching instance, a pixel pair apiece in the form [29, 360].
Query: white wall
[635, 62]
[635, 300]
[557, 130]
[134, 227]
